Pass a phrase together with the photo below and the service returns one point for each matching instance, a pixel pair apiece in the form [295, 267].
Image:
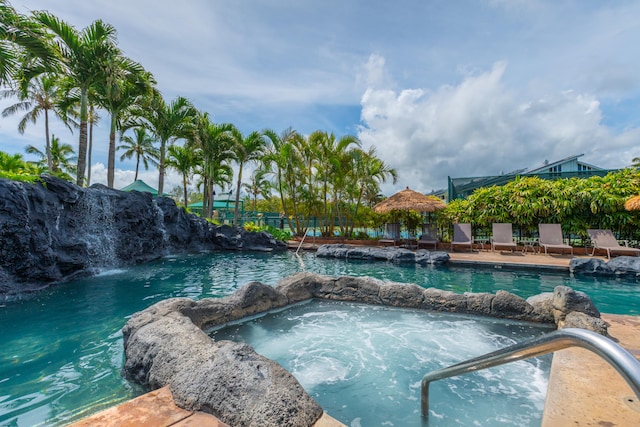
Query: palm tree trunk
[90, 149]
[163, 151]
[184, 187]
[137, 166]
[48, 142]
[82, 141]
[111, 158]
[236, 213]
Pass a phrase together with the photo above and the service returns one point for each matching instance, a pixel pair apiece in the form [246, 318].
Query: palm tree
[62, 156]
[258, 186]
[214, 142]
[183, 160]
[168, 122]
[246, 150]
[84, 56]
[126, 83]
[21, 36]
[142, 146]
[41, 96]
[282, 160]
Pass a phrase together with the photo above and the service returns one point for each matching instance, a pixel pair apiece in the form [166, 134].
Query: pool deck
[583, 389]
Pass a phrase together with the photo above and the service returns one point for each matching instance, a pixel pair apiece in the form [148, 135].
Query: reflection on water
[61, 352]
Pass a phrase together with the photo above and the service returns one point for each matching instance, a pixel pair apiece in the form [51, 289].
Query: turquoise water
[61, 352]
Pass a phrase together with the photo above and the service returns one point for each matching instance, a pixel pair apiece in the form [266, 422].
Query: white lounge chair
[551, 238]
[502, 237]
[462, 236]
[604, 239]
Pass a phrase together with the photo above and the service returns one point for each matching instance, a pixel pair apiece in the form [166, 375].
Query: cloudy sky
[440, 88]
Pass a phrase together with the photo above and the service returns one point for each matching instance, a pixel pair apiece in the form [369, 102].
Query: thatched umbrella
[409, 200]
[633, 204]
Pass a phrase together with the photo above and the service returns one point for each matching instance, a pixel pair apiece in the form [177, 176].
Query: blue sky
[459, 88]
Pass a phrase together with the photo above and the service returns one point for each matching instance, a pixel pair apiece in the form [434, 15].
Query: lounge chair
[551, 238]
[429, 236]
[391, 234]
[462, 236]
[502, 237]
[604, 239]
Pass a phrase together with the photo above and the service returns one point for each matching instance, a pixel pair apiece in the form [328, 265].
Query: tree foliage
[576, 203]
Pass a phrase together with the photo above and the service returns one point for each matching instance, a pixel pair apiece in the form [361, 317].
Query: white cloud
[482, 127]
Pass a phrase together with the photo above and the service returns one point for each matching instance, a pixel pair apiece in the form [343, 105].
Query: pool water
[61, 351]
[364, 364]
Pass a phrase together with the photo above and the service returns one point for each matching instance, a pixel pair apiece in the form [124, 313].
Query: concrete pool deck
[583, 389]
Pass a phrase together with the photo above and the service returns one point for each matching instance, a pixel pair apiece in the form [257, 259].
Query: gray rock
[479, 303]
[53, 231]
[228, 380]
[439, 300]
[566, 300]
[589, 266]
[625, 266]
[510, 306]
[543, 306]
[396, 255]
[399, 295]
[576, 319]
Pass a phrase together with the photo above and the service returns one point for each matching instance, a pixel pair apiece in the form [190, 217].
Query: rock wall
[54, 231]
[397, 255]
[165, 344]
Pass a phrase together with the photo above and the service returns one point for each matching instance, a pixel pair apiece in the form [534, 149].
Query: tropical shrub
[575, 203]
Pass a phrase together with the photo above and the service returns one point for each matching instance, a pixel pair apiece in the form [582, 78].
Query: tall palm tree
[126, 84]
[41, 96]
[183, 160]
[84, 56]
[215, 143]
[282, 160]
[141, 144]
[258, 186]
[62, 158]
[19, 36]
[168, 122]
[246, 150]
[333, 156]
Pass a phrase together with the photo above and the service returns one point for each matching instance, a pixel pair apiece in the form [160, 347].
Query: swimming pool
[62, 348]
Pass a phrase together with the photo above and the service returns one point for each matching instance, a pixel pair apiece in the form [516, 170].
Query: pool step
[584, 390]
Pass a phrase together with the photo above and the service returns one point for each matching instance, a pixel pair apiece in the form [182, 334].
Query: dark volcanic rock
[589, 266]
[54, 231]
[397, 255]
[625, 266]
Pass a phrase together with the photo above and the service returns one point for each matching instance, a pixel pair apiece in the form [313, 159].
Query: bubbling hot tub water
[364, 364]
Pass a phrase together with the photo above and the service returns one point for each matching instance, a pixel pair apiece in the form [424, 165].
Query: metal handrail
[619, 358]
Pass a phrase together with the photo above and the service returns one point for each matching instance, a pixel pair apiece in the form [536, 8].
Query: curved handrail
[619, 358]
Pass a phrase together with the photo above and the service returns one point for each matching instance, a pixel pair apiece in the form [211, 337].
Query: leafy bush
[278, 234]
[252, 227]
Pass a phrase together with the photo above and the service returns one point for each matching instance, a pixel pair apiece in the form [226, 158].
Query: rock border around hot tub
[166, 344]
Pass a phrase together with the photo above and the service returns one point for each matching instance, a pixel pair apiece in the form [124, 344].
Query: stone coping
[165, 344]
[584, 390]
[158, 409]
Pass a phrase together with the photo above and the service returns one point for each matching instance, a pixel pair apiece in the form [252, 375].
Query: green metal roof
[140, 185]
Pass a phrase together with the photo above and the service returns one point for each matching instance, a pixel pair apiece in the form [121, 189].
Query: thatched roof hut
[408, 199]
[633, 204]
